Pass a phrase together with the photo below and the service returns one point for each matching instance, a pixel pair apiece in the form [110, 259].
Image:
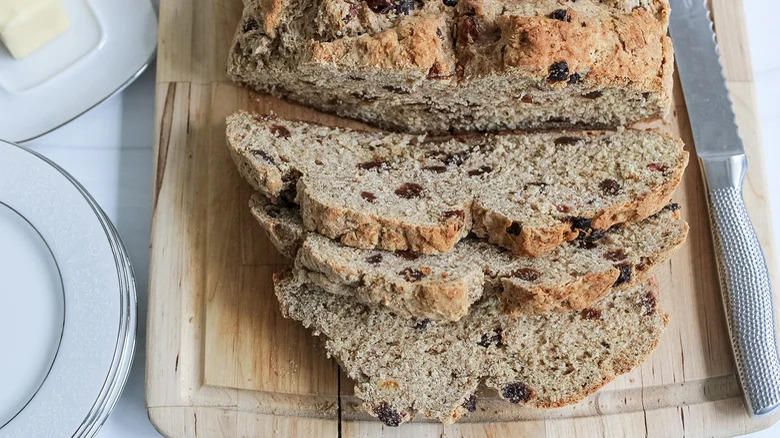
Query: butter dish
[108, 44]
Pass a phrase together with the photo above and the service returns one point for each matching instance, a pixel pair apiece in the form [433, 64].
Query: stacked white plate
[67, 303]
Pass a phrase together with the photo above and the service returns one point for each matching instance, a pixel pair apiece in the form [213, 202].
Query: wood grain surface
[222, 361]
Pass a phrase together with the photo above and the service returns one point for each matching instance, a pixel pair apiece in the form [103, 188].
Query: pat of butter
[27, 25]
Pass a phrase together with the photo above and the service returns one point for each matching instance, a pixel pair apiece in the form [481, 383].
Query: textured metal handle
[745, 286]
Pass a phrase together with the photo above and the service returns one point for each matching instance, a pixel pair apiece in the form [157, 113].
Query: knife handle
[745, 285]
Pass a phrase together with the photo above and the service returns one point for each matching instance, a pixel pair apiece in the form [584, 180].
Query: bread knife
[744, 278]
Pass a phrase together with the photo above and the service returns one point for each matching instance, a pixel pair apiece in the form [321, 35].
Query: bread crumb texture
[404, 368]
[528, 193]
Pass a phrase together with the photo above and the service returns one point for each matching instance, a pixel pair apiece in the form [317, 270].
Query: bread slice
[468, 65]
[528, 193]
[282, 224]
[443, 287]
[403, 367]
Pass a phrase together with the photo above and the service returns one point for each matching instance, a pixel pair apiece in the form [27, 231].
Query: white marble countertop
[110, 151]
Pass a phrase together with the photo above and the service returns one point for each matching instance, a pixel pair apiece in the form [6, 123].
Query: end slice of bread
[404, 367]
[472, 65]
[528, 193]
[443, 287]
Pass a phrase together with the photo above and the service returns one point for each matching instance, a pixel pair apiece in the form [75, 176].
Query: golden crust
[484, 65]
[364, 230]
[534, 241]
[517, 299]
[414, 45]
[611, 50]
[453, 282]
[269, 13]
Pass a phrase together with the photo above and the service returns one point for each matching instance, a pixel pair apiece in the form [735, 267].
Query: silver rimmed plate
[108, 44]
[67, 303]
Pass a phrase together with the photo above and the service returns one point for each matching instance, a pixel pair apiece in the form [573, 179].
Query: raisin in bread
[528, 193]
[469, 65]
[443, 287]
[403, 367]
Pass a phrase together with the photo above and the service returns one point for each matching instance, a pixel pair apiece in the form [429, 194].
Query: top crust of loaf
[606, 46]
[427, 67]
[619, 41]
[528, 193]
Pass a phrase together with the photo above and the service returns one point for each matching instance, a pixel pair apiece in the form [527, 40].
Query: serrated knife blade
[698, 64]
[745, 286]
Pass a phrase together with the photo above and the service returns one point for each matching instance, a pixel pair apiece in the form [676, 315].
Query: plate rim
[103, 409]
[122, 86]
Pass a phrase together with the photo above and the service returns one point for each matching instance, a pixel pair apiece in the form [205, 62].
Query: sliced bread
[528, 193]
[281, 223]
[443, 287]
[403, 367]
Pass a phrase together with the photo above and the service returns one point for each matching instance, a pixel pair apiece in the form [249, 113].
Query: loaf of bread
[436, 66]
[527, 193]
[443, 287]
[404, 367]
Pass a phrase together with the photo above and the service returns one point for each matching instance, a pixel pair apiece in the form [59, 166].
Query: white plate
[108, 44]
[67, 303]
[34, 303]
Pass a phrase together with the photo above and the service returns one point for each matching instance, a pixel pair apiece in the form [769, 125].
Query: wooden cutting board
[222, 361]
